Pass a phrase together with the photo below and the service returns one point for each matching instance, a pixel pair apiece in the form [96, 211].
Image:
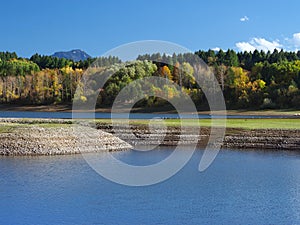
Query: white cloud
[291, 43]
[244, 19]
[216, 49]
[245, 46]
[259, 44]
[296, 40]
[263, 44]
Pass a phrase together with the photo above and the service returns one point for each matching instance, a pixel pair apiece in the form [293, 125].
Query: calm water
[238, 188]
[68, 115]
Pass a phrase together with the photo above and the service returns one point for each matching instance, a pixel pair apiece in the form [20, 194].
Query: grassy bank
[249, 124]
[230, 123]
[68, 108]
[10, 127]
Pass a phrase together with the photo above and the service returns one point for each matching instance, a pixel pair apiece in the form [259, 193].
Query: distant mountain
[75, 55]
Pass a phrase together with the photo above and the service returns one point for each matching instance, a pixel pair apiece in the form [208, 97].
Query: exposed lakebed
[59, 136]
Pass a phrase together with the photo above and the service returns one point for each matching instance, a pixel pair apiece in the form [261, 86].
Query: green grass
[270, 112]
[9, 127]
[262, 123]
[52, 125]
[230, 123]
[6, 128]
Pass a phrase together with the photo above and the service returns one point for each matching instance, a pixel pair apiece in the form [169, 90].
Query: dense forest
[255, 80]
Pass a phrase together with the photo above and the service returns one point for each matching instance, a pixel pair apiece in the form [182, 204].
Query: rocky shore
[45, 139]
[276, 139]
[59, 136]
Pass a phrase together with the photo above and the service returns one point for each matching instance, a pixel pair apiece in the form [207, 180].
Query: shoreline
[55, 137]
[68, 108]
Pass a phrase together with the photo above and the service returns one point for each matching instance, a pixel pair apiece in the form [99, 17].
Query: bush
[268, 104]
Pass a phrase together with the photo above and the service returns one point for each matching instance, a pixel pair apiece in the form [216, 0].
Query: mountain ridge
[75, 55]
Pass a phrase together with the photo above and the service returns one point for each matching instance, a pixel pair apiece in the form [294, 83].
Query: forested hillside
[248, 80]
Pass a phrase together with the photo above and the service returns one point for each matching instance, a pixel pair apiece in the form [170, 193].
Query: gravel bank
[18, 139]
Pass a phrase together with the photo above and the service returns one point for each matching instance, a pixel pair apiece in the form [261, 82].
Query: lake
[240, 187]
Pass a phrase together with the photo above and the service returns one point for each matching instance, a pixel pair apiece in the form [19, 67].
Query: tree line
[248, 79]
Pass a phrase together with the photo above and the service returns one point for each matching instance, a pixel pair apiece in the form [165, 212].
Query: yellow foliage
[165, 71]
[83, 98]
[67, 70]
[258, 85]
[241, 77]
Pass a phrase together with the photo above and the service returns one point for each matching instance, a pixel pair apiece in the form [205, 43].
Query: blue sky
[97, 26]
